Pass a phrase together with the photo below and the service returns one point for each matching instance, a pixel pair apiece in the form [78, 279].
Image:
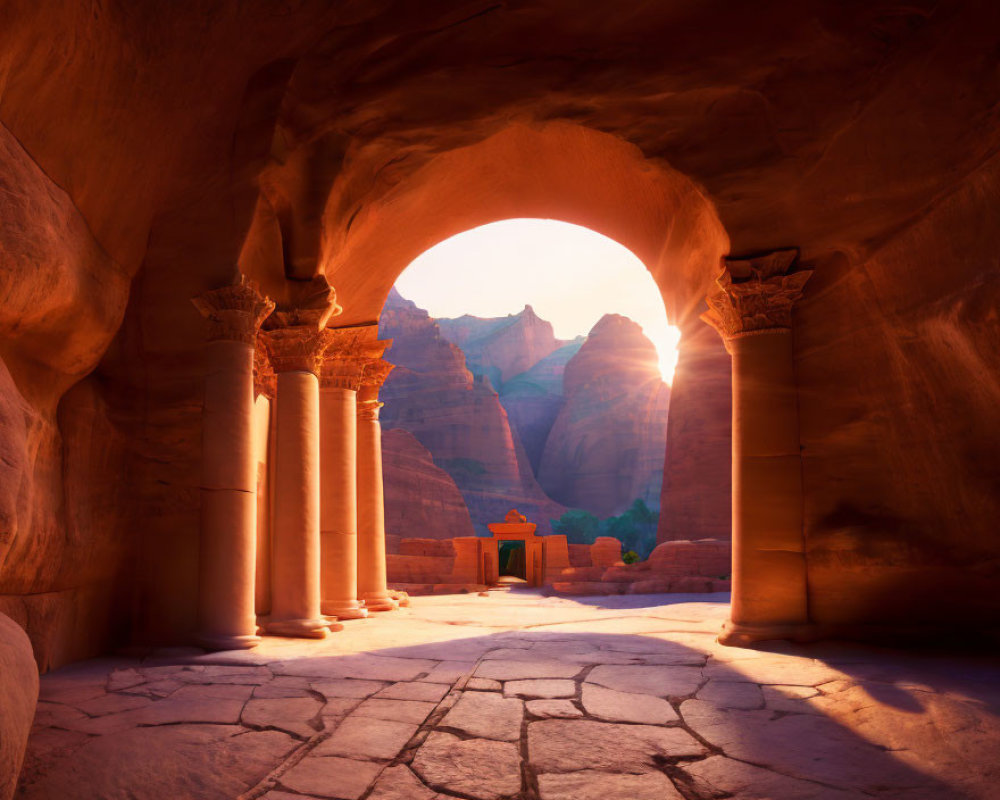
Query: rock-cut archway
[578, 175]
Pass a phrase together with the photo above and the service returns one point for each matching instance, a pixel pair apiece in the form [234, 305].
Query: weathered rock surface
[487, 715]
[607, 704]
[501, 347]
[421, 499]
[479, 768]
[573, 745]
[606, 446]
[18, 696]
[534, 398]
[591, 785]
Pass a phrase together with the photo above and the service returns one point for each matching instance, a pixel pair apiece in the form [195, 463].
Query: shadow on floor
[713, 721]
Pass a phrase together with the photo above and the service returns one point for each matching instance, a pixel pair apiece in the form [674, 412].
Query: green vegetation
[460, 468]
[630, 556]
[635, 528]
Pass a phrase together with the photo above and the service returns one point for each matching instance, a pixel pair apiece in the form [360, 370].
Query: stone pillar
[228, 541]
[296, 342]
[371, 500]
[751, 307]
[340, 379]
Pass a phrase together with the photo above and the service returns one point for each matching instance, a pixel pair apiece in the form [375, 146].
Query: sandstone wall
[898, 363]
[696, 500]
[18, 698]
[421, 499]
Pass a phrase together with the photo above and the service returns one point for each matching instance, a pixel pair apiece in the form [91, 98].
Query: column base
[402, 599]
[345, 612]
[297, 628]
[739, 634]
[332, 624]
[380, 602]
[224, 641]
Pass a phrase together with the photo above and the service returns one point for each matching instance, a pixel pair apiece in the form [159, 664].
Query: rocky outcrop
[458, 417]
[501, 347]
[421, 499]
[606, 446]
[533, 400]
[697, 469]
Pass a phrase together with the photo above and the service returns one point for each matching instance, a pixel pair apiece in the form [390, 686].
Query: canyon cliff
[421, 499]
[586, 420]
[606, 445]
[534, 397]
[501, 347]
[458, 417]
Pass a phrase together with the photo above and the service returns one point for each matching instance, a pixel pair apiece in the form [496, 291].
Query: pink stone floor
[519, 696]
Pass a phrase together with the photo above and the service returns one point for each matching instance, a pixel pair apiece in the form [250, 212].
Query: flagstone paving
[514, 696]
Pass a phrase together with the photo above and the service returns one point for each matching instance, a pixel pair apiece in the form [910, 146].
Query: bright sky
[570, 275]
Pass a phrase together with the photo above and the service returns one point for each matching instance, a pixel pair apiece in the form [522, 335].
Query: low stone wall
[445, 566]
[676, 566]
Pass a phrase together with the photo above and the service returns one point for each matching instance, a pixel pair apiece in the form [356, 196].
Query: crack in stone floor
[515, 696]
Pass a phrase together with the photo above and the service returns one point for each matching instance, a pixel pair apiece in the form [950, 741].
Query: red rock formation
[458, 418]
[697, 471]
[18, 694]
[606, 446]
[533, 399]
[501, 347]
[421, 499]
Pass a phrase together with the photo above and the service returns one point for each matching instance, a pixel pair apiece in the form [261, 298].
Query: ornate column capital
[755, 295]
[234, 312]
[344, 359]
[297, 348]
[375, 372]
[264, 377]
[295, 335]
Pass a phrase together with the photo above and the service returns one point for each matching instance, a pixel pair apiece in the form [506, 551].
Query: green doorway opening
[512, 562]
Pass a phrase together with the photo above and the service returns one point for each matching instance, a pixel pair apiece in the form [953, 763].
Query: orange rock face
[696, 501]
[421, 499]
[606, 446]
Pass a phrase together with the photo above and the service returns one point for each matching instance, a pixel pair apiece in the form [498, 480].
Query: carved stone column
[228, 542]
[371, 500]
[751, 307]
[296, 342]
[339, 381]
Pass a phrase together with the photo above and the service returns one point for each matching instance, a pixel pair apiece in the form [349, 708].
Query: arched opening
[562, 415]
[374, 226]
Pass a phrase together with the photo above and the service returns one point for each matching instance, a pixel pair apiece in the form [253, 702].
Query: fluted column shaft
[751, 308]
[371, 499]
[227, 549]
